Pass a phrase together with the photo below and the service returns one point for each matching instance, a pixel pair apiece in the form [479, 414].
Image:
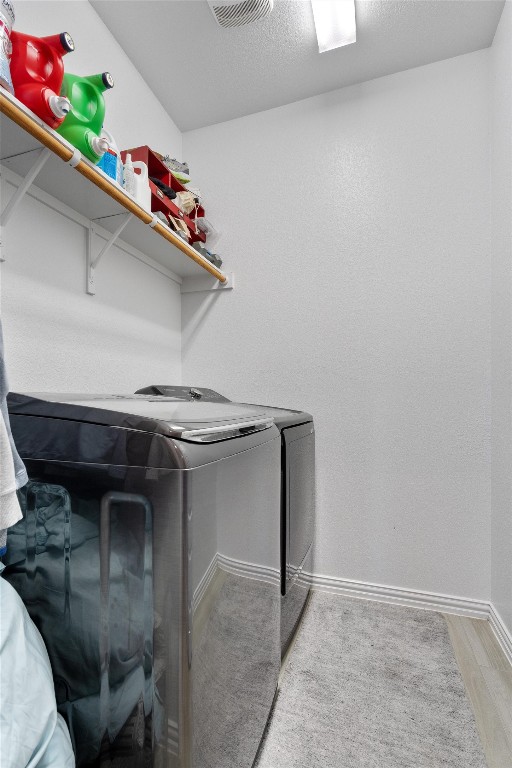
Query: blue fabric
[32, 734]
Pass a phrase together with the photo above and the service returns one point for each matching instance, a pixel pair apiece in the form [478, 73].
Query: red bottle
[37, 71]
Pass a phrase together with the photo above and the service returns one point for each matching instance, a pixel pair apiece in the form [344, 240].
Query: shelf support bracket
[206, 283]
[24, 186]
[92, 262]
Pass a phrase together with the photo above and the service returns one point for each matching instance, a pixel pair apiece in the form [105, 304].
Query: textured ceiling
[204, 74]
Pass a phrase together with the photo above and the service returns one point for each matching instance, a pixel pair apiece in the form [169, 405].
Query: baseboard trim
[501, 632]
[236, 567]
[203, 585]
[250, 570]
[477, 609]
[409, 598]
[430, 601]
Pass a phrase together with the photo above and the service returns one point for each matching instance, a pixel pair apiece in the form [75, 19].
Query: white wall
[501, 81]
[357, 224]
[57, 337]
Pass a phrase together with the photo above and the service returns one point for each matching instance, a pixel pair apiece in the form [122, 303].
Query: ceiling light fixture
[335, 23]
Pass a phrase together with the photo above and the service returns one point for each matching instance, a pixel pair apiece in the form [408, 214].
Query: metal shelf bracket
[93, 261]
[18, 196]
[16, 199]
[207, 283]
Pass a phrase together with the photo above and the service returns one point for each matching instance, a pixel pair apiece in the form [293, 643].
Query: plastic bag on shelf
[212, 234]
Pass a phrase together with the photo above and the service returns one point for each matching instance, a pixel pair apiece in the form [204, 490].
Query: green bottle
[82, 125]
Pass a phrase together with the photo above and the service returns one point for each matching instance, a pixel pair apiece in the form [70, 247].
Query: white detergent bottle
[129, 176]
[142, 189]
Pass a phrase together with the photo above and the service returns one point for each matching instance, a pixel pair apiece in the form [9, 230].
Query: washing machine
[297, 497]
[149, 559]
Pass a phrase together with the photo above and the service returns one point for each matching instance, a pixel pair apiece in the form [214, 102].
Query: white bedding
[32, 734]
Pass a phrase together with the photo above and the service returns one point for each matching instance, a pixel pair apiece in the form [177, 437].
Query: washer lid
[283, 417]
[191, 421]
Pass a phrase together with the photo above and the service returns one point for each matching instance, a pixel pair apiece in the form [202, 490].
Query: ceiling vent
[233, 13]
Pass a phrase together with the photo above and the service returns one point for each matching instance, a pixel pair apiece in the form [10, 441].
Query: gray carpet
[370, 685]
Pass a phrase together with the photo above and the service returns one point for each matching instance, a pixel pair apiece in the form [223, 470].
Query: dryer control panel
[182, 392]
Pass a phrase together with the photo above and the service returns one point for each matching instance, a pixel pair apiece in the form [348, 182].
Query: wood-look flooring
[487, 675]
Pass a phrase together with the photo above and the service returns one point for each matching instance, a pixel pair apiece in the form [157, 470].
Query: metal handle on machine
[243, 426]
[110, 498]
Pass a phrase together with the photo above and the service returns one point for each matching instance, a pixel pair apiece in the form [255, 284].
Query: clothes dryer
[149, 559]
[297, 496]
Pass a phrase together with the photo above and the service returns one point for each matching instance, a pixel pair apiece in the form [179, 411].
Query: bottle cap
[99, 145]
[59, 105]
[108, 80]
[67, 42]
